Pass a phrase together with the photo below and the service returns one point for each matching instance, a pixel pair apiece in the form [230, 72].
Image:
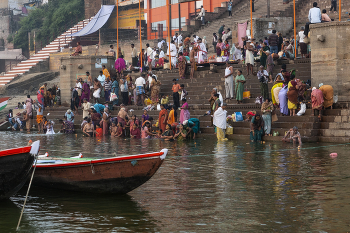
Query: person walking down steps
[229, 81]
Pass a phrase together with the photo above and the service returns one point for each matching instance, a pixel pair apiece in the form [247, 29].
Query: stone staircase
[43, 55]
[333, 126]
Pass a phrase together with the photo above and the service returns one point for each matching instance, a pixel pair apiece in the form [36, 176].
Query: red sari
[163, 117]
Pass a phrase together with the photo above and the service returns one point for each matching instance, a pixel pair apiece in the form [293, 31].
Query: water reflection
[203, 185]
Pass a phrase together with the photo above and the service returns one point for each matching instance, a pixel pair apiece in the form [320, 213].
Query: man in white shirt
[134, 55]
[195, 38]
[202, 51]
[202, 14]
[140, 84]
[161, 53]
[175, 38]
[179, 39]
[302, 44]
[173, 53]
[101, 78]
[149, 52]
[315, 14]
[181, 48]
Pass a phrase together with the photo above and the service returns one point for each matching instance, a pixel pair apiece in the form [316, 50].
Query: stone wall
[5, 27]
[330, 57]
[262, 27]
[92, 7]
[72, 68]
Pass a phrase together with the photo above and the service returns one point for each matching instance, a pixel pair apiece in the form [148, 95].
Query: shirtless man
[193, 61]
[293, 135]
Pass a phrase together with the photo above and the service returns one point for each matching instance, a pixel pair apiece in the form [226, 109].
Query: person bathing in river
[292, 135]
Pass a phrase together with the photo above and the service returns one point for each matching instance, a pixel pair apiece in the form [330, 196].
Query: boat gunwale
[102, 161]
[15, 151]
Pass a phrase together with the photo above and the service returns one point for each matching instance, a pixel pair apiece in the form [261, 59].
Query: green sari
[263, 57]
[180, 137]
[239, 87]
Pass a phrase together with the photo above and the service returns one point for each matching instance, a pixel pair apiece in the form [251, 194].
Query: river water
[202, 186]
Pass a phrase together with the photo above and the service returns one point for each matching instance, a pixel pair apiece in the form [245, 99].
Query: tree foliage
[49, 21]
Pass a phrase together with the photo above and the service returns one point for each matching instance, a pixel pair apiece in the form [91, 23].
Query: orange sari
[163, 116]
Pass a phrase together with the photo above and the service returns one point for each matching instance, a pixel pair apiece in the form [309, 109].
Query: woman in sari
[85, 94]
[239, 86]
[182, 65]
[317, 102]
[120, 65]
[266, 109]
[185, 114]
[171, 117]
[264, 54]
[145, 131]
[67, 126]
[256, 128]
[282, 96]
[328, 93]
[155, 88]
[168, 133]
[277, 85]
[194, 127]
[218, 47]
[181, 133]
[163, 118]
[292, 95]
[226, 49]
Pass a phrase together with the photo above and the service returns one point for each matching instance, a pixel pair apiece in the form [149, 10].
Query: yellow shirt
[106, 73]
[164, 100]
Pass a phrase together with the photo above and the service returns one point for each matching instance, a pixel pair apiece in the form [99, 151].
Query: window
[174, 24]
[155, 25]
[157, 3]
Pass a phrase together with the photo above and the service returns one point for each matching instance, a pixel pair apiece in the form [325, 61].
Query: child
[159, 133]
[145, 116]
[99, 131]
[165, 101]
[113, 130]
[135, 132]
[183, 92]
[119, 130]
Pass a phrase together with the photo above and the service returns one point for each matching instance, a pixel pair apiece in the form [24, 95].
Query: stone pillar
[72, 68]
[330, 57]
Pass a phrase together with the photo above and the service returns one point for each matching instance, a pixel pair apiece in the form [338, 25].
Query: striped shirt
[108, 85]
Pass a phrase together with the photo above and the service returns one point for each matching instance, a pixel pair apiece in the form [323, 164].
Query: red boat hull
[15, 168]
[113, 175]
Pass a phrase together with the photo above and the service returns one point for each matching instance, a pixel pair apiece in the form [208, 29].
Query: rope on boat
[25, 200]
[92, 167]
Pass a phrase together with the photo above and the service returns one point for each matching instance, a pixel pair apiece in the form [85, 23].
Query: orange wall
[161, 13]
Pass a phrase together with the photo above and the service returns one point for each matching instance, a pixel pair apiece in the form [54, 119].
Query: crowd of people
[96, 97]
[23, 119]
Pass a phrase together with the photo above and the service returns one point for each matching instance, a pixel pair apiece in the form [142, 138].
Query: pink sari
[185, 114]
[119, 65]
[317, 99]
